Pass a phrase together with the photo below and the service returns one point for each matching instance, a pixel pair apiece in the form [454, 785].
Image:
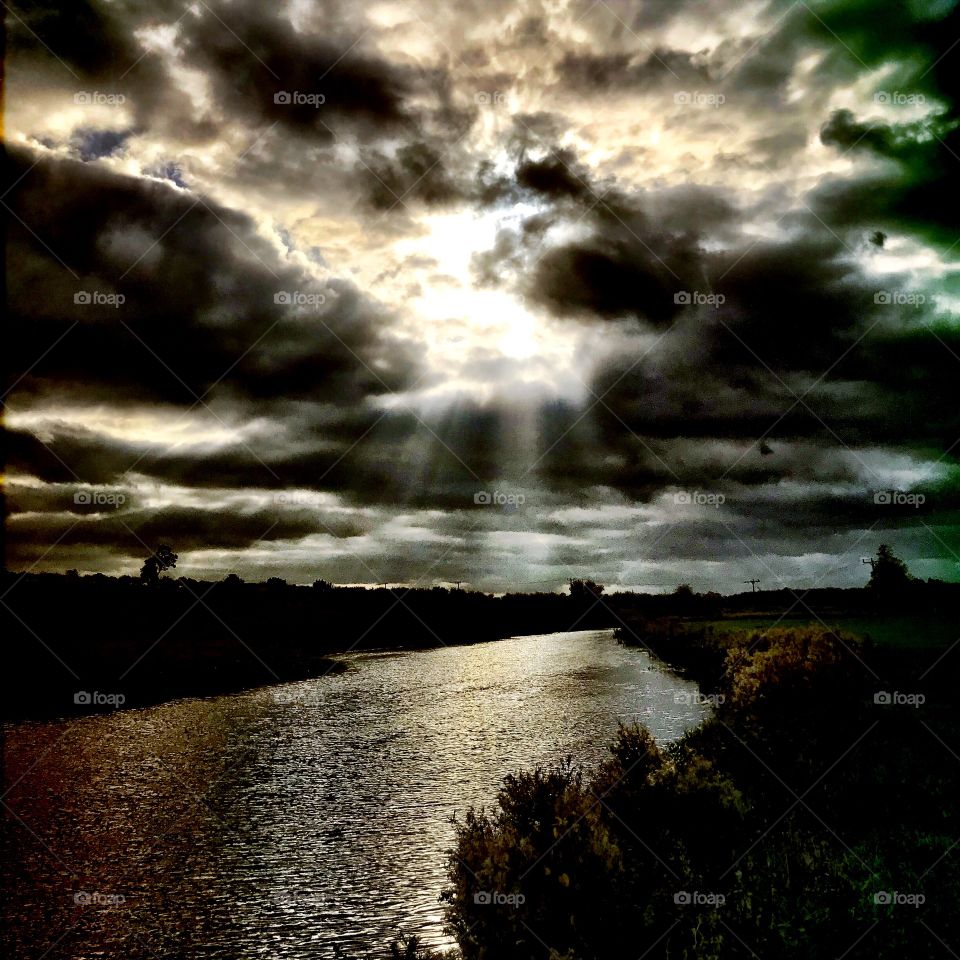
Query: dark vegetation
[824, 785]
[814, 815]
[155, 637]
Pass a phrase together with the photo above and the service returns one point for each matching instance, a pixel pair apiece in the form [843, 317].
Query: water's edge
[294, 820]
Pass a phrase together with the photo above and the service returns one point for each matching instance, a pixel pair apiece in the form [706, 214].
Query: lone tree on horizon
[889, 574]
[585, 589]
[163, 559]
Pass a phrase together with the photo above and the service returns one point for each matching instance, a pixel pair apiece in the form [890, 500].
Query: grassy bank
[813, 816]
[905, 631]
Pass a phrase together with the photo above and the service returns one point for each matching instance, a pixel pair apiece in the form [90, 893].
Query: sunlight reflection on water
[303, 820]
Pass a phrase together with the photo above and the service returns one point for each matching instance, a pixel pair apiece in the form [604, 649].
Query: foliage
[747, 838]
[890, 578]
[163, 559]
[540, 853]
[585, 590]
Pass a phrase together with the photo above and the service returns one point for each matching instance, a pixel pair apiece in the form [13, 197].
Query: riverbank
[81, 644]
[75, 645]
[813, 815]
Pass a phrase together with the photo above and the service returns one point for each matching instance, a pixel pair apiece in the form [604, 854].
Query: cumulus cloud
[602, 256]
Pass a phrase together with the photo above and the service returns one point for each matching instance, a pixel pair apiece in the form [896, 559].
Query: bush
[747, 838]
[530, 866]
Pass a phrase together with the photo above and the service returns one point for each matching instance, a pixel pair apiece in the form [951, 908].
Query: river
[307, 820]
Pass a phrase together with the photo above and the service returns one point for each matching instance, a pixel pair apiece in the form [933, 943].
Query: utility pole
[869, 560]
[753, 583]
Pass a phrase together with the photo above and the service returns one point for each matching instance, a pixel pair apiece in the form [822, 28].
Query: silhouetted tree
[163, 559]
[890, 576]
[684, 598]
[232, 580]
[322, 586]
[585, 589]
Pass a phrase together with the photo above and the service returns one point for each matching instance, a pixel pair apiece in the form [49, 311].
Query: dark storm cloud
[417, 171]
[319, 80]
[643, 251]
[63, 498]
[72, 454]
[262, 67]
[914, 42]
[786, 397]
[798, 320]
[920, 194]
[366, 458]
[86, 44]
[555, 176]
[897, 141]
[613, 447]
[795, 313]
[793, 302]
[609, 277]
[87, 36]
[207, 301]
[780, 426]
[136, 531]
[916, 47]
[798, 348]
[643, 248]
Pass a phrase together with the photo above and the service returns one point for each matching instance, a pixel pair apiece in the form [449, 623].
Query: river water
[308, 820]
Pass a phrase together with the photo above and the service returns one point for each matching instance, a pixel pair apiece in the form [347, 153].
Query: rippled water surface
[304, 820]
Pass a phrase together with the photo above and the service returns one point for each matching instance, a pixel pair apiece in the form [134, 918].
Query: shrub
[740, 840]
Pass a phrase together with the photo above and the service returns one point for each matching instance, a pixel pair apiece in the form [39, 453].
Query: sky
[503, 293]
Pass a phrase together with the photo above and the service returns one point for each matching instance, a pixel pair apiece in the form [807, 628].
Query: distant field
[904, 632]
